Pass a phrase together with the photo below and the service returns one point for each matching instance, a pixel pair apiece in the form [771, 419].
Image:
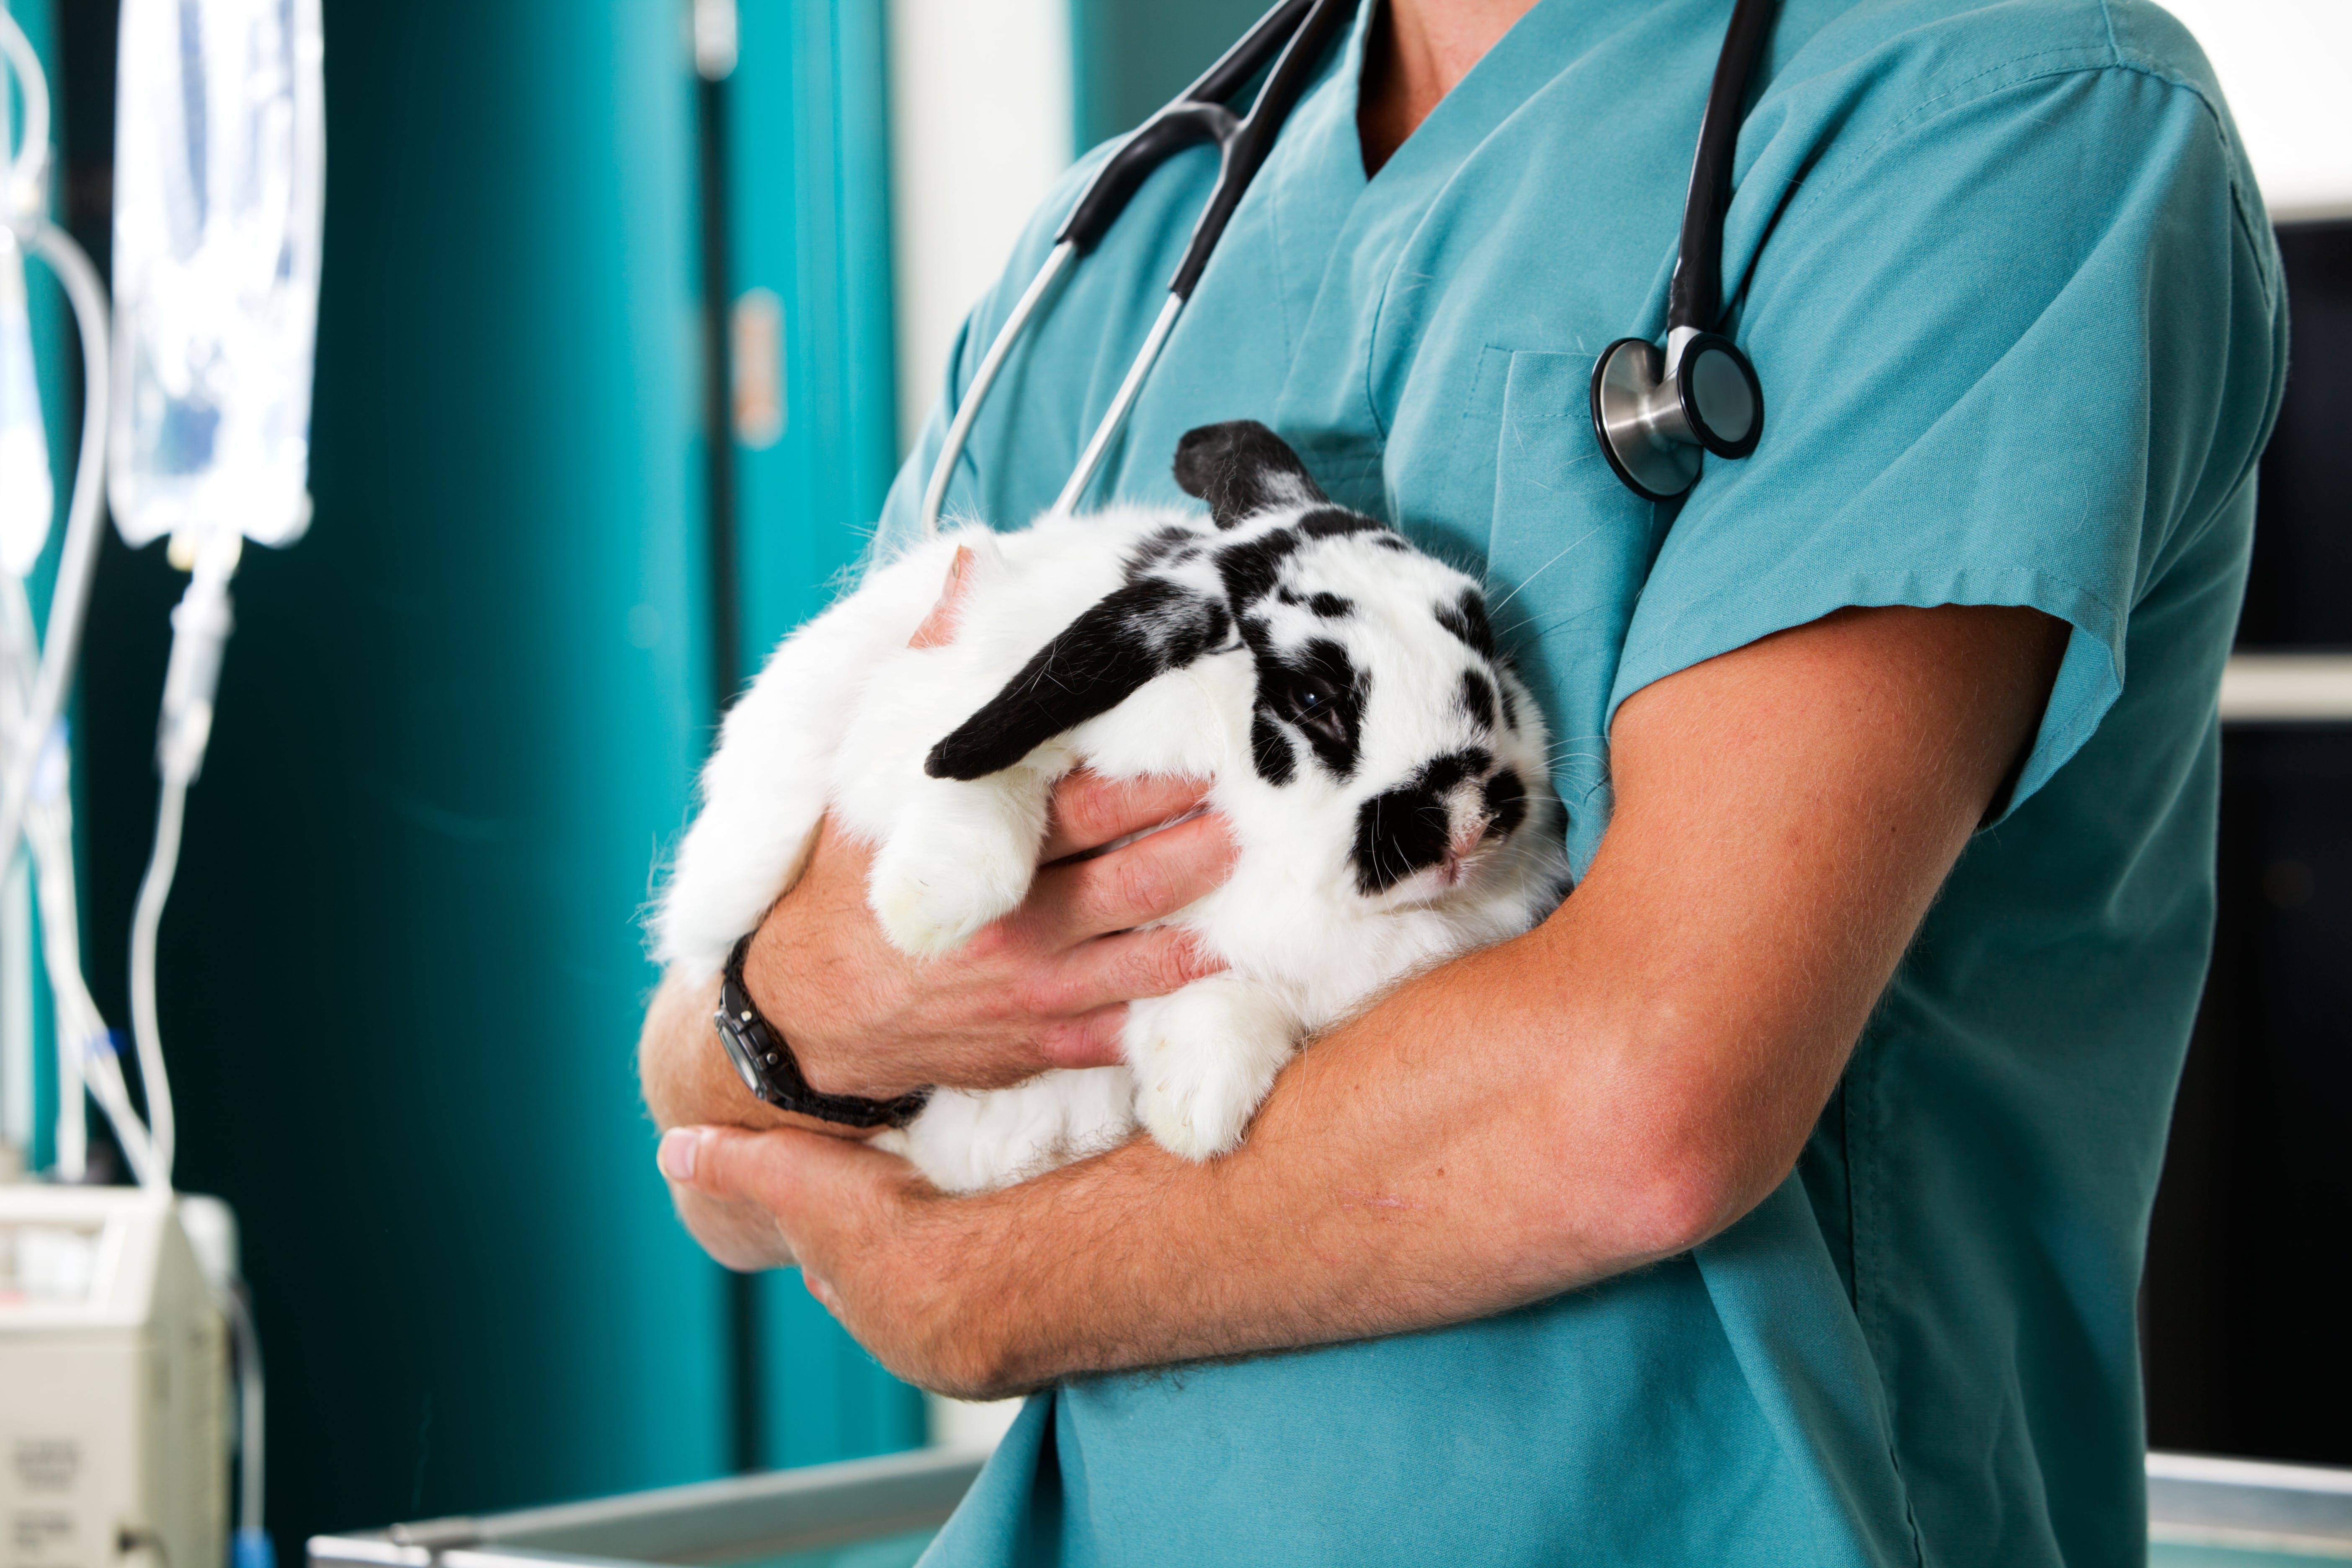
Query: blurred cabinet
[795, 136]
[2249, 1271]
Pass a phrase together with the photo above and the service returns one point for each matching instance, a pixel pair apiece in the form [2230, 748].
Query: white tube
[935, 494]
[154, 889]
[85, 1059]
[1114, 418]
[28, 167]
[251, 1409]
[77, 560]
[201, 624]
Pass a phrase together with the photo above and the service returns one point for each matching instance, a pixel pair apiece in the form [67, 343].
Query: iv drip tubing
[250, 1407]
[30, 166]
[77, 560]
[154, 889]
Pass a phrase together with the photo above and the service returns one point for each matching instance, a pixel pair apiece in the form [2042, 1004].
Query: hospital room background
[629, 314]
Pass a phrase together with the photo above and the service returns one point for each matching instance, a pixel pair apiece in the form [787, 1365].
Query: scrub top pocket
[1567, 552]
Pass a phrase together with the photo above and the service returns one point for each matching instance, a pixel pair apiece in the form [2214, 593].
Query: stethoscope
[1653, 412]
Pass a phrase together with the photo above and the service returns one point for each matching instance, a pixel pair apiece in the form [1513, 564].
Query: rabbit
[1381, 766]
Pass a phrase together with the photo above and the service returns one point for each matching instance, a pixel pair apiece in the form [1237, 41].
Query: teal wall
[1129, 57]
[807, 217]
[54, 342]
[402, 974]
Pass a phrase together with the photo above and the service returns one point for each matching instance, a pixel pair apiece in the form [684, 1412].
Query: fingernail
[676, 1156]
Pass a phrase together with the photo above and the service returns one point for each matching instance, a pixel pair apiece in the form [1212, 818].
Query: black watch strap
[765, 1062]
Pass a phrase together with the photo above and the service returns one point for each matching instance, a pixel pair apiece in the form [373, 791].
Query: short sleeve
[2017, 351]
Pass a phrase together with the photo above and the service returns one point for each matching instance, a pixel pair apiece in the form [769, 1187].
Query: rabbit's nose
[1467, 837]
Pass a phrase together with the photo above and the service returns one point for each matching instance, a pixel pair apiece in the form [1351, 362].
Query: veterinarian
[1781, 1198]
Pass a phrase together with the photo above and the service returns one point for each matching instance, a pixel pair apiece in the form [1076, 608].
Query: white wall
[2287, 68]
[979, 127]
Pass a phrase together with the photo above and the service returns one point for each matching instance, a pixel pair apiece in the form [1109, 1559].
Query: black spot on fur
[1090, 667]
[1162, 545]
[1242, 468]
[1319, 692]
[1337, 522]
[1407, 829]
[1511, 709]
[1251, 570]
[1478, 698]
[1330, 606]
[1466, 619]
[1506, 804]
[1270, 748]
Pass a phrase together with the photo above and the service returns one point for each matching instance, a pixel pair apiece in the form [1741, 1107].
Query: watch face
[739, 1054]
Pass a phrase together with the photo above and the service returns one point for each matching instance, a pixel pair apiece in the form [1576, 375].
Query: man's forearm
[1526, 1120]
[1386, 1187]
[1611, 1089]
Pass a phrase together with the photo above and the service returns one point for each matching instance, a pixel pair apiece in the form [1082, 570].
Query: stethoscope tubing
[1115, 417]
[935, 494]
[1695, 297]
[1292, 36]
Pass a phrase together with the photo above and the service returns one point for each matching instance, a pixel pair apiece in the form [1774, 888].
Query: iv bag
[219, 171]
[26, 492]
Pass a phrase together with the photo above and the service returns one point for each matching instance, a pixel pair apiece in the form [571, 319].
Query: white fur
[844, 713]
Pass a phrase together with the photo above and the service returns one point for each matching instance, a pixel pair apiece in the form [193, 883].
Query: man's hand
[1044, 987]
[1614, 1088]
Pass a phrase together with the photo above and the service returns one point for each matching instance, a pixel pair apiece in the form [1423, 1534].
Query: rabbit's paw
[1203, 1059]
[931, 899]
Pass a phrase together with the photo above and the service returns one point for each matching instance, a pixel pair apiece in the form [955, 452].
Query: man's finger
[1089, 1040]
[1090, 811]
[1128, 967]
[1150, 877]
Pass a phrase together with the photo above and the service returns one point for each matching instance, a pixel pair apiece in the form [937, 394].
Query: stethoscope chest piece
[1655, 413]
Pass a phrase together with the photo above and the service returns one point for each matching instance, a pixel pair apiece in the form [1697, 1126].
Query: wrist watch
[765, 1063]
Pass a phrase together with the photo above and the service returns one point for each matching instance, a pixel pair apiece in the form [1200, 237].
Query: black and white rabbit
[1382, 768]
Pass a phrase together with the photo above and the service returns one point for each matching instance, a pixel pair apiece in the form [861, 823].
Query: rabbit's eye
[1312, 704]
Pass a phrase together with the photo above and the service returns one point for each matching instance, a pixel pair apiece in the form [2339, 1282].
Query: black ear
[1240, 468]
[1097, 662]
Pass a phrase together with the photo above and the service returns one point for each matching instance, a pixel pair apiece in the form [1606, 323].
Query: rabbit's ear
[1145, 629]
[1242, 468]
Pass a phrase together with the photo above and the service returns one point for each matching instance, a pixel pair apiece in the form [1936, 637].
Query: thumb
[784, 1170]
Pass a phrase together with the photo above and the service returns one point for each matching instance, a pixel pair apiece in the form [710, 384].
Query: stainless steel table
[881, 1514]
[862, 1513]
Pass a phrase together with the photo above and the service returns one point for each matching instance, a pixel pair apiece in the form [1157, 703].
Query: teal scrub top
[2013, 295]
